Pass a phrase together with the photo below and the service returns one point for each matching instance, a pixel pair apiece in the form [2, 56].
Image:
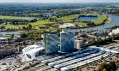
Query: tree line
[16, 21]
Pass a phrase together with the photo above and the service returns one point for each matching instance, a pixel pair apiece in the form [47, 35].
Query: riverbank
[70, 18]
[113, 22]
[109, 20]
[101, 19]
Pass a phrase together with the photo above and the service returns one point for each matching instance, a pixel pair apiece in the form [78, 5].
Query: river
[9, 33]
[114, 22]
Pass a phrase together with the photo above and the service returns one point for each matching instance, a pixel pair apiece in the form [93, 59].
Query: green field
[65, 19]
[101, 18]
[69, 19]
[37, 23]
[13, 26]
[42, 22]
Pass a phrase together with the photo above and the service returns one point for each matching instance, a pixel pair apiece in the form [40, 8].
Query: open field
[14, 26]
[42, 22]
[39, 22]
[65, 19]
[101, 18]
[10, 26]
[70, 18]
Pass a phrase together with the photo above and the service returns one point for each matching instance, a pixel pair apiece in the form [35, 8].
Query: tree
[110, 58]
[37, 38]
[107, 67]
[34, 20]
[12, 36]
[29, 26]
[112, 66]
[93, 41]
[23, 35]
[103, 66]
[104, 69]
[19, 28]
[23, 27]
[8, 39]
[24, 42]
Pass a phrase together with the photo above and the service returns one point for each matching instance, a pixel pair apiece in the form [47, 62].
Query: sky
[60, 1]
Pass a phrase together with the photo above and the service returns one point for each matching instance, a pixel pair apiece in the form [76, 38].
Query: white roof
[35, 50]
[108, 50]
[63, 56]
[3, 38]
[115, 31]
[82, 63]
[75, 61]
[32, 49]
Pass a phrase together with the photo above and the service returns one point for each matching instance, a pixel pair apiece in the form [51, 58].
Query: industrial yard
[80, 59]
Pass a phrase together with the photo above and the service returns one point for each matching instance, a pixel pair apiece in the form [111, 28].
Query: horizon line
[59, 2]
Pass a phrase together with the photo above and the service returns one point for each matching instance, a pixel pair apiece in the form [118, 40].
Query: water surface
[114, 22]
[87, 18]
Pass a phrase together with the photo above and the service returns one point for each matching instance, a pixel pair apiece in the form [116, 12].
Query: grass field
[65, 19]
[37, 23]
[13, 26]
[42, 22]
[101, 18]
[69, 19]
